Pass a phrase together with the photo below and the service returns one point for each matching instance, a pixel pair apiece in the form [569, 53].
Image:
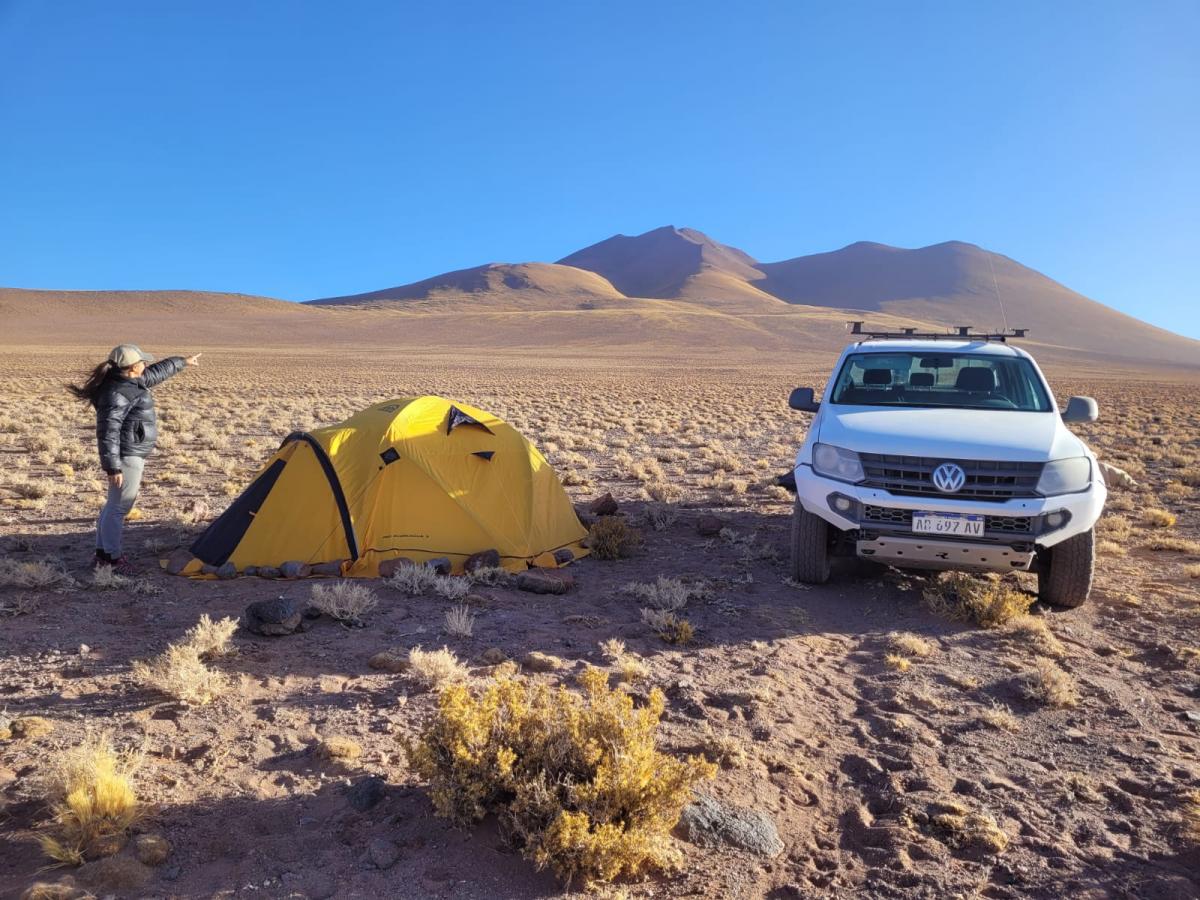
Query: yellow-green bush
[986, 600]
[611, 538]
[575, 780]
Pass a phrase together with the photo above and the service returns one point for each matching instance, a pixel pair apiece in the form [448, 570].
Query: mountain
[517, 286]
[674, 263]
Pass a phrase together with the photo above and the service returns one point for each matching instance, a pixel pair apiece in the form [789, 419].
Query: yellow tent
[416, 477]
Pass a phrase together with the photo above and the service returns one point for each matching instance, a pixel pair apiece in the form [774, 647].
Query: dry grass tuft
[1192, 571]
[413, 581]
[972, 831]
[668, 626]
[1034, 633]
[344, 600]
[909, 644]
[612, 538]
[1050, 685]
[211, 639]
[1158, 518]
[435, 668]
[1000, 717]
[1173, 545]
[669, 594]
[36, 574]
[1191, 817]
[451, 588]
[630, 667]
[460, 621]
[108, 579]
[180, 672]
[987, 601]
[92, 800]
[492, 576]
[339, 747]
[577, 780]
[897, 662]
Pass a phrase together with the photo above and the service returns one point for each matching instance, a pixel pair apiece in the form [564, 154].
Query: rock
[389, 661]
[1190, 716]
[273, 618]
[709, 526]
[708, 822]
[545, 581]
[207, 569]
[390, 567]
[493, 656]
[366, 792]
[226, 571]
[250, 571]
[603, 506]
[177, 561]
[152, 849]
[327, 568]
[1116, 478]
[440, 566]
[536, 661]
[383, 853]
[31, 728]
[293, 568]
[564, 555]
[484, 559]
[268, 572]
[103, 845]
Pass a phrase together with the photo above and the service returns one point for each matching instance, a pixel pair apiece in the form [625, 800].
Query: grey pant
[117, 506]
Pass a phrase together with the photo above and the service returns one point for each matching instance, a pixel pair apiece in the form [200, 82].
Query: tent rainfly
[417, 477]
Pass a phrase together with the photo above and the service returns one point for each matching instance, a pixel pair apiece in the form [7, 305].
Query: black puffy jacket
[125, 420]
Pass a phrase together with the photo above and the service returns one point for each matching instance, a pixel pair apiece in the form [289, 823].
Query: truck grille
[912, 476]
[886, 515]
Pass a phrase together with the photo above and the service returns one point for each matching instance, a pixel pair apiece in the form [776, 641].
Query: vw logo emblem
[949, 478]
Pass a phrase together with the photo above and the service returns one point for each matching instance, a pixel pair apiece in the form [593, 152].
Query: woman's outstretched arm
[165, 368]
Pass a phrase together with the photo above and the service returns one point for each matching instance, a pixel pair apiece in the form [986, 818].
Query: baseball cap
[126, 355]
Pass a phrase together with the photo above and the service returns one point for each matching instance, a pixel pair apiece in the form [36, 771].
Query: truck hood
[1003, 435]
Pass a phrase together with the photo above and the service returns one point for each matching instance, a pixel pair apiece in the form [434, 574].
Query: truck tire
[1065, 571]
[810, 547]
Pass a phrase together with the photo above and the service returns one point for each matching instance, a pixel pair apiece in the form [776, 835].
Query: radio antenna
[996, 288]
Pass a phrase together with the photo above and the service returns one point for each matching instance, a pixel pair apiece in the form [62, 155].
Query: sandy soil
[786, 686]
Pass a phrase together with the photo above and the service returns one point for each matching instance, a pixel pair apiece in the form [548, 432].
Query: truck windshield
[958, 380]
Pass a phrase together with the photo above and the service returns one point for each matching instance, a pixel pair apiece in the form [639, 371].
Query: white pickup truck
[946, 453]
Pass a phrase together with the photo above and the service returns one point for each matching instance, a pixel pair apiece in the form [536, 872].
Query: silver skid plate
[927, 554]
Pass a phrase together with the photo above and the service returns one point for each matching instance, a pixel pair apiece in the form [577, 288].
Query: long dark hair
[90, 388]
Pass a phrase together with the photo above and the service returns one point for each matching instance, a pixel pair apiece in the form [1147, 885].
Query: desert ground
[897, 749]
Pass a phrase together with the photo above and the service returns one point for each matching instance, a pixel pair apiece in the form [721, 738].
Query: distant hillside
[523, 285]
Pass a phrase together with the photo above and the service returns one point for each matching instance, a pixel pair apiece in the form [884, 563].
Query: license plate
[947, 523]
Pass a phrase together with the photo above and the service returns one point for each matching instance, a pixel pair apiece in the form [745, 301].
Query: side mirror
[803, 400]
[1081, 409]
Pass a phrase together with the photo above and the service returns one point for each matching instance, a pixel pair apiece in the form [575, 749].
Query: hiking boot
[122, 566]
[100, 561]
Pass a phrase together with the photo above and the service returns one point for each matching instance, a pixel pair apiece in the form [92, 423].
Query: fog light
[1056, 519]
[840, 503]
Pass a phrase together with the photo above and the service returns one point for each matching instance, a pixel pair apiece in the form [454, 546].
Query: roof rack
[960, 332]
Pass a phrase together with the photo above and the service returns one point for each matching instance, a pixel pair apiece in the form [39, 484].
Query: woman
[126, 430]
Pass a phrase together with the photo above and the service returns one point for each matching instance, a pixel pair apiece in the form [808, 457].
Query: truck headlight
[1065, 476]
[834, 462]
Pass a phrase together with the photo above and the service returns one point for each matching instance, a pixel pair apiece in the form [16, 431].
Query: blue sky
[303, 149]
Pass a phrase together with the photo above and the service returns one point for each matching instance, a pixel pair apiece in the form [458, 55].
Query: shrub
[448, 587]
[909, 644]
[92, 800]
[1158, 518]
[664, 593]
[668, 626]
[435, 668]
[897, 662]
[1049, 684]
[460, 621]
[211, 639]
[611, 538]
[986, 601]
[180, 673]
[576, 780]
[37, 574]
[490, 575]
[629, 667]
[413, 580]
[343, 600]
[1001, 717]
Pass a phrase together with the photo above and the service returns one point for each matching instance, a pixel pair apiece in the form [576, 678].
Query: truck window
[957, 380]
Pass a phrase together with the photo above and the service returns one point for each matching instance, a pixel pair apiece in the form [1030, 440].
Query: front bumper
[1021, 524]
